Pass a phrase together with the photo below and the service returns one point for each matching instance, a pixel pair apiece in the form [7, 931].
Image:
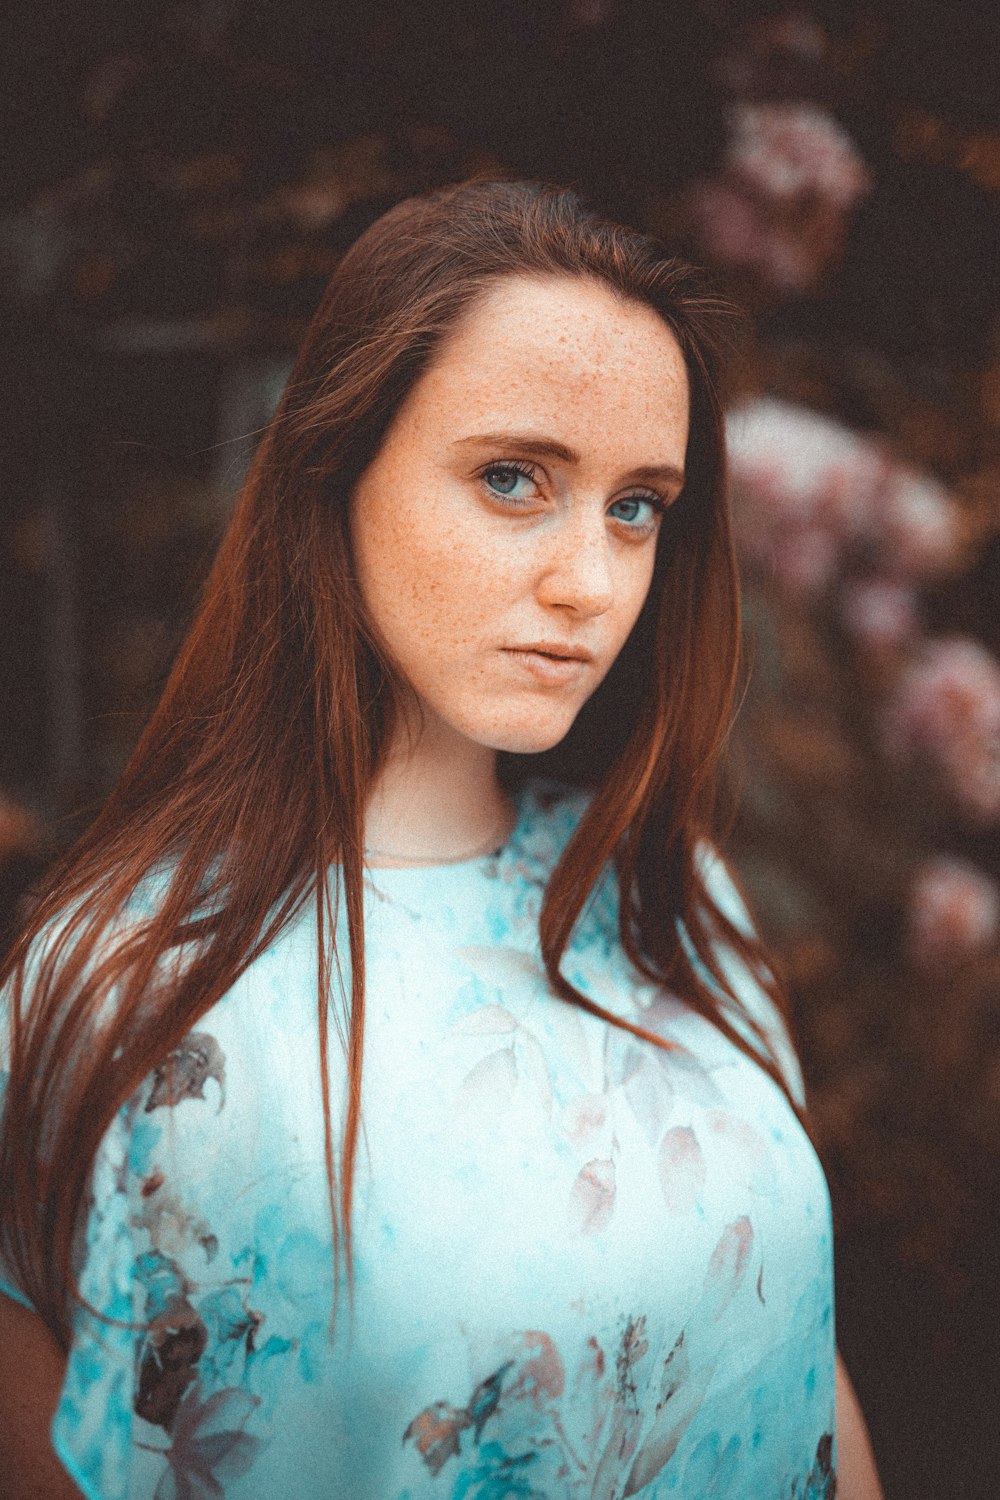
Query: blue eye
[632, 503]
[501, 478]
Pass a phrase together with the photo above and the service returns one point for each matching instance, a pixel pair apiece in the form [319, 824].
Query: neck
[436, 799]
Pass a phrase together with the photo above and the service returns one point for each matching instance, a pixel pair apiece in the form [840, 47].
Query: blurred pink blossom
[946, 704]
[918, 522]
[879, 611]
[740, 232]
[954, 911]
[792, 150]
[780, 205]
[808, 490]
[803, 485]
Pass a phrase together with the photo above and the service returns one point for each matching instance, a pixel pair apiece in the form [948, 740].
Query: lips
[556, 650]
[547, 669]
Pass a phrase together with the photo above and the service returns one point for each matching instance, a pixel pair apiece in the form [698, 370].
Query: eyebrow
[535, 443]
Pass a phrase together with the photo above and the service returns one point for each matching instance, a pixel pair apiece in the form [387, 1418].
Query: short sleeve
[92, 1431]
[92, 1427]
[131, 1378]
[169, 1359]
[41, 946]
[8, 1284]
[10, 1289]
[754, 999]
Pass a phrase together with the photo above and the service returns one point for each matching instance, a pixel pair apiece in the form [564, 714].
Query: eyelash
[527, 470]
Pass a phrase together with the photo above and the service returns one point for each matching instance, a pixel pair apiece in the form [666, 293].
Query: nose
[577, 569]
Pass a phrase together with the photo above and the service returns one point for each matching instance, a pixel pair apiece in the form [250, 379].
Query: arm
[857, 1477]
[31, 1376]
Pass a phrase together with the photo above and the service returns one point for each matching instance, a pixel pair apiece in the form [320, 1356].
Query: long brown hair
[249, 785]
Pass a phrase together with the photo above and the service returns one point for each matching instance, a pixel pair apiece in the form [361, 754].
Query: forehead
[565, 353]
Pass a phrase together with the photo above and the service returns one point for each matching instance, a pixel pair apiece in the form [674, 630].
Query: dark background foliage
[179, 182]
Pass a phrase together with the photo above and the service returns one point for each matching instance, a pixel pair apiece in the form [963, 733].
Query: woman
[437, 756]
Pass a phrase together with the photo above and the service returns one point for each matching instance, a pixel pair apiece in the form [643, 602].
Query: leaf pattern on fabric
[592, 1196]
[650, 1095]
[567, 1039]
[727, 1268]
[170, 1223]
[209, 1445]
[681, 1169]
[185, 1072]
[590, 1387]
[821, 1481]
[687, 1372]
[626, 1422]
[172, 1344]
[237, 1274]
[624, 1449]
[496, 1476]
[540, 1374]
[485, 1399]
[489, 1085]
[584, 1116]
[692, 1079]
[713, 1464]
[672, 1416]
[501, 964]
[534, 1067]
[437, 1429]
[747, 1147]
[232, 1329]
[436, 1432]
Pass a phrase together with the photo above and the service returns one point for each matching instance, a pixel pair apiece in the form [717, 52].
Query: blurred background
[178, 183]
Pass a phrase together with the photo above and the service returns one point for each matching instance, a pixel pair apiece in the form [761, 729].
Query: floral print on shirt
[584, 1266]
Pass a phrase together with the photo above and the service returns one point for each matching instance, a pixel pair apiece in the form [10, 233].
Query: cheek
[432, 583]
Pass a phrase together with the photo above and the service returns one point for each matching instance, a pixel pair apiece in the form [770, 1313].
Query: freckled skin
[451, 575]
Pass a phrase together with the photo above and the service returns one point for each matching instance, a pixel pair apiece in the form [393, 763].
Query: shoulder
[80, 941]
[551, 812]
[722, 890]
[207, 1107]
[721, 887]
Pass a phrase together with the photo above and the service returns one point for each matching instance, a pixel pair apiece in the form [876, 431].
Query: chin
[526, 734]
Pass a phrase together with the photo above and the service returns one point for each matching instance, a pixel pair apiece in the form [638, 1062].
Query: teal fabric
[584, 1266]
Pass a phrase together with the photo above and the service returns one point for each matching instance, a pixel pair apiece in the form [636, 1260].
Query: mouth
[551, 667]
[554, 651]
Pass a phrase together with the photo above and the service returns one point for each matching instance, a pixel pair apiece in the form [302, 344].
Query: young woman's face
[505, 533]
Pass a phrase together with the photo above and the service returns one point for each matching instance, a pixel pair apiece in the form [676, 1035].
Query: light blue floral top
[585, 1266]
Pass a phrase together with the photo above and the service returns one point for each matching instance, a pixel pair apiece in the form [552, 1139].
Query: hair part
[250, 782]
